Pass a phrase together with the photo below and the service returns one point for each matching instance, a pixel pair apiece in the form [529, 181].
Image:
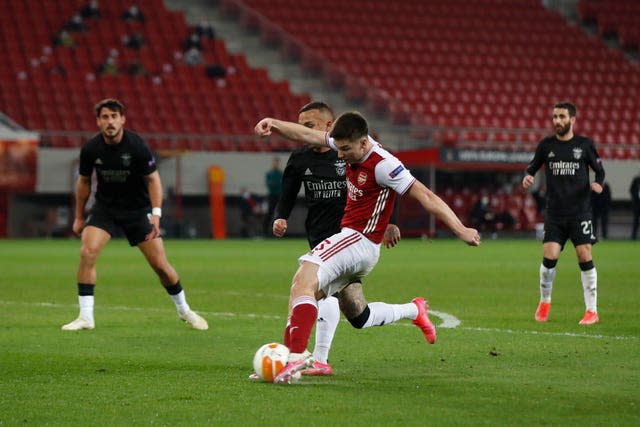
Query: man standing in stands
[567, 158]
[128, 198]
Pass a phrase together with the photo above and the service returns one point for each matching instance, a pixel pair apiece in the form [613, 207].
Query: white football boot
[195, 320]
[79, 324]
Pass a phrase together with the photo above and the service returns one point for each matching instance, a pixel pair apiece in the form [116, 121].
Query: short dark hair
[317, 105]
[111, 104]
[567, 106]
[350, 126]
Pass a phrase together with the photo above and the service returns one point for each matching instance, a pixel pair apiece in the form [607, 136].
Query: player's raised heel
[423, 322]
[195, 320]
[292, 371]
[79, 324]
[542, 312]
[589, 318]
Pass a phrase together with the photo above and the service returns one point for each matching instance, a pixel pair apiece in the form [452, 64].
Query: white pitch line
[449, 321]
[557, 334]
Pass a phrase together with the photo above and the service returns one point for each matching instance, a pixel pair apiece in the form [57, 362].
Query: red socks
[298, 329]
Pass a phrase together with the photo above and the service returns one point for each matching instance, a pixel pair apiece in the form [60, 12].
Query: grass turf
[142, 366]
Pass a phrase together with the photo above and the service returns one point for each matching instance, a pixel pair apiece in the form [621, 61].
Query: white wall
[56, 169]
[619, 174]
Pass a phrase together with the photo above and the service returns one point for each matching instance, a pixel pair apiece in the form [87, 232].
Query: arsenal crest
[362, 178]
[577, 153]
[126, 159]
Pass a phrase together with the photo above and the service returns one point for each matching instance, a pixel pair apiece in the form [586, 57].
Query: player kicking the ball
[323, 176]
[374, 176]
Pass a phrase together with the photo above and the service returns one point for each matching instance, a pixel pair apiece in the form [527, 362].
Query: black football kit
[568, 208]
[122, 195]
[323, 177]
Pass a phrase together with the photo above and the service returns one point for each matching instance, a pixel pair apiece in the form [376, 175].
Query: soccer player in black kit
[128, 198]
[323, 176]
[567, 158]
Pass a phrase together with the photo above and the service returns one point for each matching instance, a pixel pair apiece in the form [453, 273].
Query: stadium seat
[435, 46]
[421, 62]
[164, 32]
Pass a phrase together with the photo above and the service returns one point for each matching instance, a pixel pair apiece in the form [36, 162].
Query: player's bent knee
[359, 321]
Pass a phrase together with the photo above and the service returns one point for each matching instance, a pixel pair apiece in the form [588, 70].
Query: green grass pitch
[142, 366]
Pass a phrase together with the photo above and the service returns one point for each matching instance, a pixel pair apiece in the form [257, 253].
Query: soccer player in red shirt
[374, 176]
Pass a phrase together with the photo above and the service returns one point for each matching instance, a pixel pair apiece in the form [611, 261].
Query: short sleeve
[85, 167]
[391, 173]
[148, 161]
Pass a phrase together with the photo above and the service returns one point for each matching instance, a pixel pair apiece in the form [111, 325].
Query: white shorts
[343, 258]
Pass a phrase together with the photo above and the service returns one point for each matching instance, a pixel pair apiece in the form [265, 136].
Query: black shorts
[579, 230]
[134, 223]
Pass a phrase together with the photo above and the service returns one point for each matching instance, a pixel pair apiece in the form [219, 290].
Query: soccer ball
[269, 360]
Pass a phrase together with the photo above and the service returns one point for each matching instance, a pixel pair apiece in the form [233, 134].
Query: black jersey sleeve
[595, 162]
[538, 159]
[85, 167]
[291, 182]
[145, 158]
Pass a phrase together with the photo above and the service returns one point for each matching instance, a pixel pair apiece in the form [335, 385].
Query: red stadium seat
[420, 62]
[198, 99]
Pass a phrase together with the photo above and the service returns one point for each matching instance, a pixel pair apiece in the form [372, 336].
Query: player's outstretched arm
[436, 206]
[291, 131]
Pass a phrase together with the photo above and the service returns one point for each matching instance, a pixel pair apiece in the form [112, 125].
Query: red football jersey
[372, 185]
